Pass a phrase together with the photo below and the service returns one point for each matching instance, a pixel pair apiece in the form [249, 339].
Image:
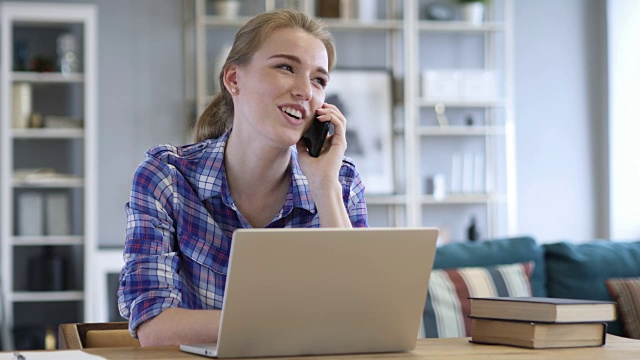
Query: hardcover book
[537, 335]
[539, 309]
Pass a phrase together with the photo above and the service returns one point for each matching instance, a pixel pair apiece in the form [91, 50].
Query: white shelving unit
[72, 151]
[495, 204]
[419, 145]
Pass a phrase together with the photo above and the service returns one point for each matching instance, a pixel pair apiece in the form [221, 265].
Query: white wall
[624, 126]
[560, 112]
[140, 93]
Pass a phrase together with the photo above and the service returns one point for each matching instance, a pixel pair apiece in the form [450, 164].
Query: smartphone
[315, 136]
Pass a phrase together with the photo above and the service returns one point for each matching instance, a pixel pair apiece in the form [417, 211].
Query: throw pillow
[626, 292]
[496, 251]
[446, 312]
[579, 271]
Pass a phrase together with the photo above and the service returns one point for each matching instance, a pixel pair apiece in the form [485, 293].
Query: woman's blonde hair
[218, 116]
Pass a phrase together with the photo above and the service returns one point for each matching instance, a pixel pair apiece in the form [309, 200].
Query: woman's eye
[321, 81]
[286, 67]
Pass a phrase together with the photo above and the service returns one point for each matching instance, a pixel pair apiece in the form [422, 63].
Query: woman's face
[279, 91]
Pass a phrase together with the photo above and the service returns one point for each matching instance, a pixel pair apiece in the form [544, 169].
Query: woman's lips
[291, 118]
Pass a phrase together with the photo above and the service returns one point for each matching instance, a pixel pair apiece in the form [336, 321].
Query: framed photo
[365, 98]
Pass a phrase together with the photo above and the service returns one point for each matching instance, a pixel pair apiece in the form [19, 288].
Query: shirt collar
[211, 180]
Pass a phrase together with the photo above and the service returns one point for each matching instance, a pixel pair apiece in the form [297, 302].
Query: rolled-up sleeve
[150, 280]
[353, 194]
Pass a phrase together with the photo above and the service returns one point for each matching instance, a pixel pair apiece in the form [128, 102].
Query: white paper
[53, 355]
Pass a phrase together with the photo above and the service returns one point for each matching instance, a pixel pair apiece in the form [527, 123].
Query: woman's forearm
[180, 326]
[330, 206]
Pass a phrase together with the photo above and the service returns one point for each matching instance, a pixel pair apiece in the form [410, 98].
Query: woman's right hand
[325, 168]
[323, 172]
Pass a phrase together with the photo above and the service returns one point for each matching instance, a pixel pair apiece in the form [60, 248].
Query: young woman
[248, 169]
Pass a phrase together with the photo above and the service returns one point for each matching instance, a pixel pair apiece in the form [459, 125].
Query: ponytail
[216, 119]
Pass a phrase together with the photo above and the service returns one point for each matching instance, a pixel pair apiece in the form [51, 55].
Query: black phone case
[316, 135]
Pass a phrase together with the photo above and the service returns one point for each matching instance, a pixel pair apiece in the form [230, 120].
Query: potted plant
[473, 10]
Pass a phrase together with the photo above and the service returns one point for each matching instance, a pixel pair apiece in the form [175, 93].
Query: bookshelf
[48, 181]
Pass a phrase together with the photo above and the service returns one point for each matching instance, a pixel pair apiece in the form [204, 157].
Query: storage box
[57, 214]
[453, 84]
[478, 85]
[440, 84]
[30, 214]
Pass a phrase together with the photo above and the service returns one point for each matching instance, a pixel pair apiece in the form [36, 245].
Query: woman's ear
[230, 78]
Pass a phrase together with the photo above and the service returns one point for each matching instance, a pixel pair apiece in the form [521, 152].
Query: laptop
[292, 292]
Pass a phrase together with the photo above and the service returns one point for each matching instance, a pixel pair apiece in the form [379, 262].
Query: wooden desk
[616, 348]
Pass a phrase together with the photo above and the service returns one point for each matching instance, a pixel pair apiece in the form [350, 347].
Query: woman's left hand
[324, 169]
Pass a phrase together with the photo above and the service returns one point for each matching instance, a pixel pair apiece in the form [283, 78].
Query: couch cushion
[495, 252]
[579, 271]
[446, 312]
[626, 292]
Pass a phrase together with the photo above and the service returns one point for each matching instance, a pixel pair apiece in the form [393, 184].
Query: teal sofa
[562, 269]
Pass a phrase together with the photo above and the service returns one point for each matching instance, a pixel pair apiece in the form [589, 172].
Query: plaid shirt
[180, 220]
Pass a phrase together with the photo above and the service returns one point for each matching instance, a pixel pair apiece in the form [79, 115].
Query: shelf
[223, 21]
[48, 25]
[460, 199]
[45, 296]
[460, 130]
[47, 133]
[47, 240]
[333, 24]
[462, 103]
[48, 183]
[353, 24]
[46, 77]
[459, 26]
[385, 199]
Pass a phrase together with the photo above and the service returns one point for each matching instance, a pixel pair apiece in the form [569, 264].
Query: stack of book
[535, 322]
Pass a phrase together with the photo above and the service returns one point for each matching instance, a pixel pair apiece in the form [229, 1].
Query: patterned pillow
[447, 308]
[626, 292]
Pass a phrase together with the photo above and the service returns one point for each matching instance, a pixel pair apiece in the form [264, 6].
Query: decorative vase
[473, 13]
[68, 53]
[227, 8]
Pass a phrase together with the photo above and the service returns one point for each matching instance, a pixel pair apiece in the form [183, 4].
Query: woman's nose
[302, 88]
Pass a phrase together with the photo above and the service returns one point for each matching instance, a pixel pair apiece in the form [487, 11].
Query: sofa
[520, 266]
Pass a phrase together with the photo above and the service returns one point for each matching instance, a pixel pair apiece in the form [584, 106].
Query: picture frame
[365, 97]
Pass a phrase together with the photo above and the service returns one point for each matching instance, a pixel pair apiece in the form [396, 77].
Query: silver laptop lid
[325, 291]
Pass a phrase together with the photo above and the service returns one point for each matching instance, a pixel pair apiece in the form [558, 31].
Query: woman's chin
[291, 138]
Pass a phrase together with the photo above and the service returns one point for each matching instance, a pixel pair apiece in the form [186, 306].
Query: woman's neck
[258, 178]
[255, 163]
